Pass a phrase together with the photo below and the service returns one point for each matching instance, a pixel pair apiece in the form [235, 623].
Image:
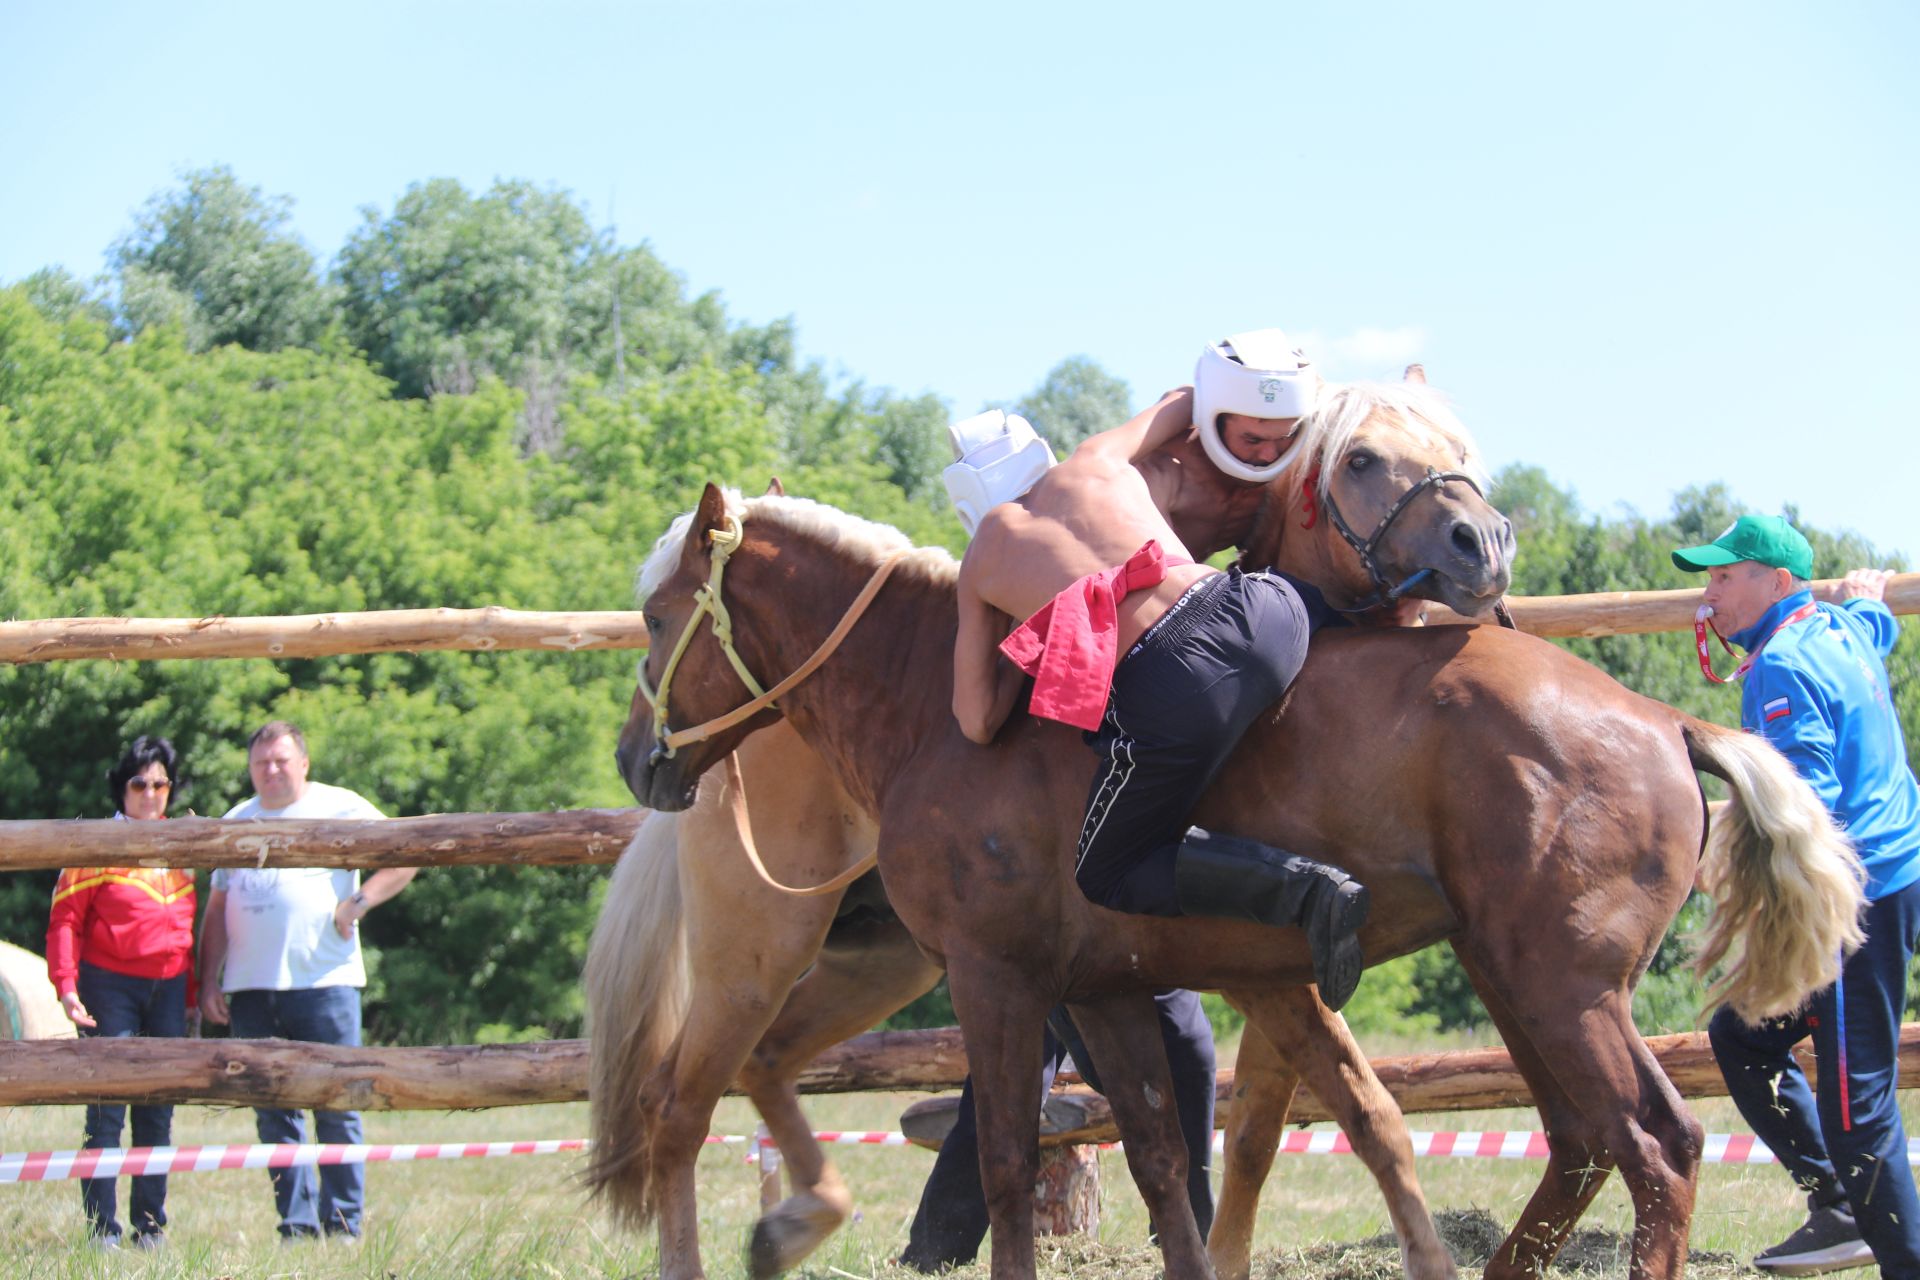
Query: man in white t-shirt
[280, 957]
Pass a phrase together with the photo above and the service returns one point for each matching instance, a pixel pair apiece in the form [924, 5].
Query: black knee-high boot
[1240, 879]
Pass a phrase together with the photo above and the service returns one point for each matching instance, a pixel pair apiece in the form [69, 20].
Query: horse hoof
[779, 1243]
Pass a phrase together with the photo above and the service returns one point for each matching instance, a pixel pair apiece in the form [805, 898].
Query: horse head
[1387, 500]
[692, 669]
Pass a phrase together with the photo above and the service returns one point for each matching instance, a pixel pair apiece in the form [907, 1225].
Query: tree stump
[1066, 1198]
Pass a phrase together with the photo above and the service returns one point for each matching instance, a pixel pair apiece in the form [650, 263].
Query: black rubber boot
[1239, 879]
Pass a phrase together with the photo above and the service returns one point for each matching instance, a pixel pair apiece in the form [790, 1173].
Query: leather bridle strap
[725, 542]
[1386, 593]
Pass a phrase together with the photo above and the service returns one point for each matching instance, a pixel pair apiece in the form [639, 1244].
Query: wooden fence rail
[319, 635]
[570, 837]
[281, 1074]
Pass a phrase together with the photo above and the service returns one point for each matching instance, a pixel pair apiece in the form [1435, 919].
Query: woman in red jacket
[120, 953]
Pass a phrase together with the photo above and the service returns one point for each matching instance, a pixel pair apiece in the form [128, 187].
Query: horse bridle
[708, 601]
[1384, 592]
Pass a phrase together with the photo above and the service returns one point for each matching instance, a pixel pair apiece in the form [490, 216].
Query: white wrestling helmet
[997, 458]
[1260, 374]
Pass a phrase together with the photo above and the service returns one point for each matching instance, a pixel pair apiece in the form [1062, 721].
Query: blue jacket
[1818, 692]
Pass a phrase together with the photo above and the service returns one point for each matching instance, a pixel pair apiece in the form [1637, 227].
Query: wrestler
[1161, 660]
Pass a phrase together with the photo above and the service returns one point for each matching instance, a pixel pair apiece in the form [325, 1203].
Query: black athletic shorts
[1182, 696]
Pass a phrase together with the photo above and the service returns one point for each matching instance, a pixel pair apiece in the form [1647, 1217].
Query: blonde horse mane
[865, 541]
[1343, 408]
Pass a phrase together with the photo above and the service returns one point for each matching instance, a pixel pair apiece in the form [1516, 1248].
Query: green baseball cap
[1767, 539]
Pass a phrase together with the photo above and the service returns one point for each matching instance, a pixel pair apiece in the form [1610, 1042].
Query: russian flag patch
[1774, 710]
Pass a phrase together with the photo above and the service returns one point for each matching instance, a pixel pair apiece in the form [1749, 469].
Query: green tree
[216, 257]
[1076, 399]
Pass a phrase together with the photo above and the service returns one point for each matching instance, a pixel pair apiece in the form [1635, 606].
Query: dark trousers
[127, 1006]
[1850, 1149]
[1182, 696]
[952, 1218]
[323, 1015]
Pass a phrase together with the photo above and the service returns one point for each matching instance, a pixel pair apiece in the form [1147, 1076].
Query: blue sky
[1642, 245]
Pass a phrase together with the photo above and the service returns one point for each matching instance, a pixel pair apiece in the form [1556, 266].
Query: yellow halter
[707, 601]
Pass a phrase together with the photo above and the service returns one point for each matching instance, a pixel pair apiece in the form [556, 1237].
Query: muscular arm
[985, 684]
[1165, 420]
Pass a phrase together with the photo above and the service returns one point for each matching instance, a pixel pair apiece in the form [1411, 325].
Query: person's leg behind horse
[1180, 700]
[164, 1013]
[1123, 1033]
[1187, 1036]
[951, 1219]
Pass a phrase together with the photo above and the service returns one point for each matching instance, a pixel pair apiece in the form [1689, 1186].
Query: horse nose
[620, 759]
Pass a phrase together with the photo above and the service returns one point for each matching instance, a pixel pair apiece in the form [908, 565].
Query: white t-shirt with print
[280, 934]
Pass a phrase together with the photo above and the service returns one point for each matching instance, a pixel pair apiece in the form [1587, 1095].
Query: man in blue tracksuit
[1816, 688]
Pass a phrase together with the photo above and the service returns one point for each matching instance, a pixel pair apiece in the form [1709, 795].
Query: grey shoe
[150, 1240]
[1828, 1240]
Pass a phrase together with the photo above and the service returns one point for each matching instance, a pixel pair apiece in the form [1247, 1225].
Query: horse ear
[711, 514]
[775, 488]
[1415, 373]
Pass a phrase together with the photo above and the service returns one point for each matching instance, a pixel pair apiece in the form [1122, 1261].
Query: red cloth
[136, 921]
[1071, 645]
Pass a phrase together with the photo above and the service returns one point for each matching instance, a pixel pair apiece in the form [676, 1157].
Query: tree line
[483, 399]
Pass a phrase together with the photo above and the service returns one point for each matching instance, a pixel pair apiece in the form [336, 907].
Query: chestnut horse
[1491, 789]
[669, 954]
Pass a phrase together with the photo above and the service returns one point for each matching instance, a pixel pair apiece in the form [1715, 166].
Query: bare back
[1089, 513]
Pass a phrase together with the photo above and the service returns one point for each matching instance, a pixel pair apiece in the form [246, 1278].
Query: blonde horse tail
[1786, 887]
[637, 996]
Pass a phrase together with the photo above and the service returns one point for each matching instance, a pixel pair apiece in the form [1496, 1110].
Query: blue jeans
[322, 1015]
[1873, 1178]
[129, 1006]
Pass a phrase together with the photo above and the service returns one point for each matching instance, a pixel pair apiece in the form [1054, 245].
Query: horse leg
[1316, 1046]
[1002, 1016]
[1604, 1103]
[1123, 1031]
[1263, 1090]
[849, 989]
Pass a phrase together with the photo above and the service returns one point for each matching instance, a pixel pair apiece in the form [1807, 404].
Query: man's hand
[76, 1012]
[213, 1005]
[1861, 584]
[347, 913]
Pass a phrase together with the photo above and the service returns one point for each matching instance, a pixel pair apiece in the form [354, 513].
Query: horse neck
[883, 692]
[1301, 541]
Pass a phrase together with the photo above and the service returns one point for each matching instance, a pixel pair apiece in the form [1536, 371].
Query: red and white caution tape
[108, 1162]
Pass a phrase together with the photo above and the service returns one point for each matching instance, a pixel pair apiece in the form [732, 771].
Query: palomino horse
[669, 954]
[691, 984]
[1510, 799]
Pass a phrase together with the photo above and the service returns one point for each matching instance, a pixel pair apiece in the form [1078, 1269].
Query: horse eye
[1359, 462]
[653, 623]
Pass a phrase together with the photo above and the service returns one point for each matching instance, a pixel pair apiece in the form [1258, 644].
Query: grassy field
[525, 1217]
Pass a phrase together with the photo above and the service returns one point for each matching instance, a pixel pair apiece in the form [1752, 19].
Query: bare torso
[1089, 513]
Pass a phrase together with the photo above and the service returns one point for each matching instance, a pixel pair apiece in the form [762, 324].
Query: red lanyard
[1801, 614]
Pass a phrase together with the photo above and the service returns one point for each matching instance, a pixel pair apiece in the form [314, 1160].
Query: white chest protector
[997, 458]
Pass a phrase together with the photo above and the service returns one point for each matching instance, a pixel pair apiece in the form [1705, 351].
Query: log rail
[282, 1074]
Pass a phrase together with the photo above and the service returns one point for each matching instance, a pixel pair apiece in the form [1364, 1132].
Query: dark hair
[273, 731]
[145, 751]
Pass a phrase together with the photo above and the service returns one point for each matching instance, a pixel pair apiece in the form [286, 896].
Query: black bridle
[1384, 592]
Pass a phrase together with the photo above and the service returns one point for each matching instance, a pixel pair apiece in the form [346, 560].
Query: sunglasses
[149, 784]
